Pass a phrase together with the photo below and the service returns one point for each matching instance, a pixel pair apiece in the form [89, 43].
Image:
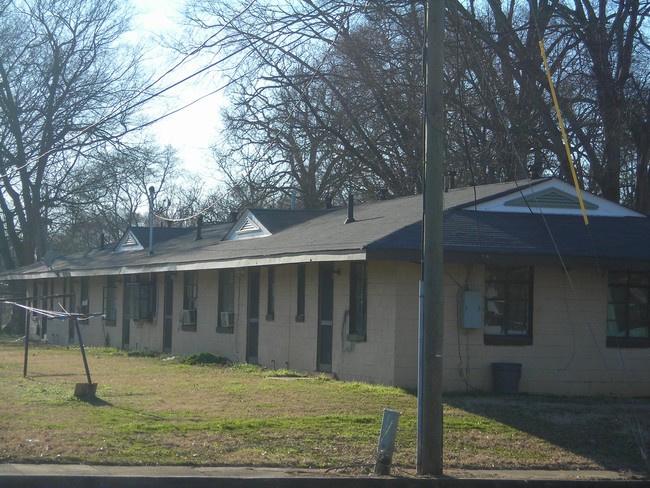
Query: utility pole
[429, 448]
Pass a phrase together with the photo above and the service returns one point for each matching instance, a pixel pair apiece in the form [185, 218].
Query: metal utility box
[470, 310]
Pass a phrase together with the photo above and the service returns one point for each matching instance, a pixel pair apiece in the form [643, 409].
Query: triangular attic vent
[130, 241]
[550, 198]
[248, 226]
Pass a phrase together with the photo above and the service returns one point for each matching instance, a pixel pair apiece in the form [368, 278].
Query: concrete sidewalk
[78, 476]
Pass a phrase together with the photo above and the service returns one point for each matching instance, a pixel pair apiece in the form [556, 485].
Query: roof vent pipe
[102, 241]
[350, 218]
[199, 226]
[152, 190]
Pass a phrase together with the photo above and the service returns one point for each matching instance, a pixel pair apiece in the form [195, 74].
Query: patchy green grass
[152, 410]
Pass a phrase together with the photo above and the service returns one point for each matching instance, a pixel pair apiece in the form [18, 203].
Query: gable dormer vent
[550, 198]
[130, 241]
[248, 226]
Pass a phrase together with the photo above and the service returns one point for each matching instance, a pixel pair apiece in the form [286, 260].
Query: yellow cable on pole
[564, 136]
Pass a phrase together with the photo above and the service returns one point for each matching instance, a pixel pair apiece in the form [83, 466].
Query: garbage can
[505, 377]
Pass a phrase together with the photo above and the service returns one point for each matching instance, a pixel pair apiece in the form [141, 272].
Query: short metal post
[386, 444]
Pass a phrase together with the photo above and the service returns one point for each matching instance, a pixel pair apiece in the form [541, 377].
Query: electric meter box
[470, 310]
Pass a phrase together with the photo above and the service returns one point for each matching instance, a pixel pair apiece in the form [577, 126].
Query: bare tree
[282, 146]
[639, 124]
[324, 93]
[608, 33]
[115, 195]
[341, 79]
[68, 89]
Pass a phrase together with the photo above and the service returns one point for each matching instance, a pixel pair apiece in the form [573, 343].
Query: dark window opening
[142, 298]
[508, 305]
[109, 302]
[84, 289]
[358, 301]
[300, 298]
[628, 309]
[190, 297]
[270, 293]
[226, 305]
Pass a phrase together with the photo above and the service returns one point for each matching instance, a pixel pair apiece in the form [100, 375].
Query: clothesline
[50, 314]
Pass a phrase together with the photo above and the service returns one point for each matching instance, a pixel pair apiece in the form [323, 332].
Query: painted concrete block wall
[283, 342]
[341, 306]
[234, 347]
[461, 369]
[57, 330]
[146, 335]
[571, 355]
[568, 355]
[114, 332]
[94, 331]
[302, 339]
[370, 361]
[222, 342]
[407, 277]
[273, 348]
[184, 340]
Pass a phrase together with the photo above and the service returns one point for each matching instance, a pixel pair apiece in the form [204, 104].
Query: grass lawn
[158, 410]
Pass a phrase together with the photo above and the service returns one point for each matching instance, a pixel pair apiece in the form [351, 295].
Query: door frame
[253, 316]
[168, 312]
[126, 313]
[325, 327]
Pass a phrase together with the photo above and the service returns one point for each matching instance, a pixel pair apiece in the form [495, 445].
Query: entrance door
[253, 329]
[325, 316]
[168, 312]
[126, 314]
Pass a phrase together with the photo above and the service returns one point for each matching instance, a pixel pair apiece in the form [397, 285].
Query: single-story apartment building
[336, 290]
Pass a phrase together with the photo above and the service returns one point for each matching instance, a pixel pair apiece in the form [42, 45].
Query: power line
[128, 106]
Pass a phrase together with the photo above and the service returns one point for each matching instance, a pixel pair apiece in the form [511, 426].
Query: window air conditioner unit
[227, 319]
[188, 317]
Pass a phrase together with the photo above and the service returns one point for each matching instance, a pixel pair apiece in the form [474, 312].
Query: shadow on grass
[95, 401]
[605, 430]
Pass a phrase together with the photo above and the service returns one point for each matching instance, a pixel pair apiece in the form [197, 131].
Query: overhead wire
[129, 106]
[293, 106]
[638, 433]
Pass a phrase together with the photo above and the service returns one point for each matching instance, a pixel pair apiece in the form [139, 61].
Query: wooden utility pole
[429, 448]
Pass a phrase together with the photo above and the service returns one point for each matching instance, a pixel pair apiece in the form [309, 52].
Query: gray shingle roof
[388, 229]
